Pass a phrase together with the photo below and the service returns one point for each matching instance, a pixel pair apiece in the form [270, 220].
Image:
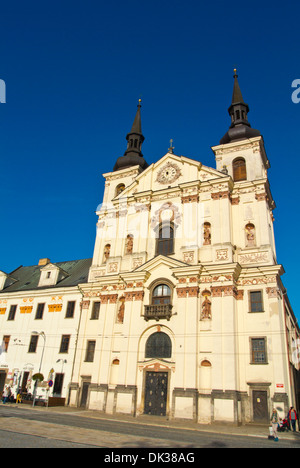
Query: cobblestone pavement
[92, 428]
[83, 436]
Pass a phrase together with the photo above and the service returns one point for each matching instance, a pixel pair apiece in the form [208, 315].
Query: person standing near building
[274, 422]
[293, 418]
[6, 393]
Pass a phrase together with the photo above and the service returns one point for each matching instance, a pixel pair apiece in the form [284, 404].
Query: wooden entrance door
[58, 384]
[156, 392]
[24, 381]
[2, 381]
[260, 406]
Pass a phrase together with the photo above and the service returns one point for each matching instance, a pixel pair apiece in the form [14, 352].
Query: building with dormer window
[40, 309]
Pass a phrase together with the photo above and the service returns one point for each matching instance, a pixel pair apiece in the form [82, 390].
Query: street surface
[17, 440]
[23, 427]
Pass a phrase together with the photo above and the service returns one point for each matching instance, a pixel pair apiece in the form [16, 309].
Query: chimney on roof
[3, 278]
[44, 261]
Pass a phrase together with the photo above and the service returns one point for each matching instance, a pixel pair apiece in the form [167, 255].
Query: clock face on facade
[168, 173]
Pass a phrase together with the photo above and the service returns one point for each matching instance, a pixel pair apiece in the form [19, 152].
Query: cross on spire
[171, 147]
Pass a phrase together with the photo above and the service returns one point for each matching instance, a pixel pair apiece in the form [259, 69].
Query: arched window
[161, 295]
[205, 376]
[114, 372]
[239, 169]
[165, 241]
[205, 363]
[120, 188]
[158, 346]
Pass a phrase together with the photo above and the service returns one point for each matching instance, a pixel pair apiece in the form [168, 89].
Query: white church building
[182, 311]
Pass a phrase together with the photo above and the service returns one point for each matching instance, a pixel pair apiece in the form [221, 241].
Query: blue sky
[74, 71]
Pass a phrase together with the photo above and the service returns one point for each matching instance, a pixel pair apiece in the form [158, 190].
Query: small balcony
[158, 312]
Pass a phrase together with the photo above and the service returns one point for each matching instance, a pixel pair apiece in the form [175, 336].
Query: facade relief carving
[187, 292]
[134, 296]
[222, 254]
[189, 257]
[220, 291]
[254, 257]
[272, 292]
[257, 280]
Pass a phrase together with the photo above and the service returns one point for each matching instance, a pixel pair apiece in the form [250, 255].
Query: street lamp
[42, 334]
[63, 361]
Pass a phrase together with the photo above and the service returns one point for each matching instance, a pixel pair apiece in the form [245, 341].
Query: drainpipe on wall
[76, 341]
[284, 293]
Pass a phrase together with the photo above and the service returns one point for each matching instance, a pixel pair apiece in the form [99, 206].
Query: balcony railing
[157, 312]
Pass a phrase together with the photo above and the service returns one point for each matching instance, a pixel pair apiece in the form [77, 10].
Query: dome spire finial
[240, 127]
[133, 155]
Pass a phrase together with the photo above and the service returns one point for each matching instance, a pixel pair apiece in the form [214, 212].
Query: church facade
[183, 312]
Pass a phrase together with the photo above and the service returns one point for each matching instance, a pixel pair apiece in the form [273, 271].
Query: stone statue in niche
[206, 306]
[206, 309]
[207, 234]
[121, 311]
[129, 244]
[106, 253]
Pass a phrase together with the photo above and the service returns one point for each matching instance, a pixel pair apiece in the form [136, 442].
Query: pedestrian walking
[274, 422]
[6, 394]
[293, 418]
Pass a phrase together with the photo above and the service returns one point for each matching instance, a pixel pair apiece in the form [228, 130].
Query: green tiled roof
[27, 278]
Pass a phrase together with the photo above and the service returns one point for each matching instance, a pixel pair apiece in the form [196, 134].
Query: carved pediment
[156, 365]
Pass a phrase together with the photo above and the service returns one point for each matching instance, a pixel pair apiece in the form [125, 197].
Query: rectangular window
[256, 302]
[12, 312]
[258, 351]
[70, 309]
[64, 345]
[165, 240]
[90, 351]
[33, 344]
[5, 343]
[95, 311]
[39, 312]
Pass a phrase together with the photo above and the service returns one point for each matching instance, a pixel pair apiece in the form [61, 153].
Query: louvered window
[239, 170]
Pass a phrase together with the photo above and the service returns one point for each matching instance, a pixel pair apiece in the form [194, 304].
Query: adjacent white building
[40, 308]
